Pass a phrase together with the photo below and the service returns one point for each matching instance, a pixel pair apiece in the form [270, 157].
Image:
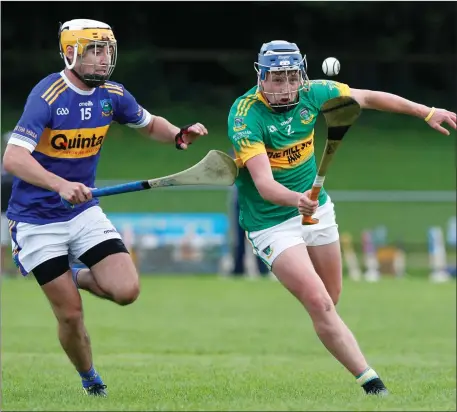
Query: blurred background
[393, 181]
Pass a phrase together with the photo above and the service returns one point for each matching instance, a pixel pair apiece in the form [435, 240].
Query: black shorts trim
[55, 267]
[101, 251]
[51, 269]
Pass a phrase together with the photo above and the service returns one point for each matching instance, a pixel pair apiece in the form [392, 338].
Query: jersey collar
[73, 87]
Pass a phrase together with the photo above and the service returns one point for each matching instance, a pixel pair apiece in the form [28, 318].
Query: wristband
[430, 114]
[179, 139]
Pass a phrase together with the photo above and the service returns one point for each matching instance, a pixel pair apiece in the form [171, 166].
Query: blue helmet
[281, 56]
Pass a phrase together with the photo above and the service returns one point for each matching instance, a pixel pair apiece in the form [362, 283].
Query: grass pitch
[205, 343]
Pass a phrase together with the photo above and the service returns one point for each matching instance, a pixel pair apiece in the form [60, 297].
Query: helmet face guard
[89, 39]
[285, 60]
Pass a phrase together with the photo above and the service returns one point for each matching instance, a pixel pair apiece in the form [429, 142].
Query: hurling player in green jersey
[271, 128]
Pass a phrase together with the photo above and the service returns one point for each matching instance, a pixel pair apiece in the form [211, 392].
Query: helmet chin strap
[96, 81]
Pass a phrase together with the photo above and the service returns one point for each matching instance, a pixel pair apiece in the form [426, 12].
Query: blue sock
[74, 273]
[90, 378]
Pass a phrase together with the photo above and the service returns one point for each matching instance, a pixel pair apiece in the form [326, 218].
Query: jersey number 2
[289, 130]
[85, 113]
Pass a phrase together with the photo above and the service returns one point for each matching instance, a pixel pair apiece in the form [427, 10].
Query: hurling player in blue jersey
[53, 153]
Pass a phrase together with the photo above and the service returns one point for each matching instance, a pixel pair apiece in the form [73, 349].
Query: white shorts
[269, 243]
[35, 244]
[5, 237]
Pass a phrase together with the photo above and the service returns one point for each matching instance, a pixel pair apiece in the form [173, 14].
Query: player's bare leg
[85, 280]
[326, 260]
[295, 271]
[114, 278]
[66, 304]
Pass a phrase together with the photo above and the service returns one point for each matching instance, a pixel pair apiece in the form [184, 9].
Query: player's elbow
[12, 158]
[265, 194]
[8, 161]
[362, 97]
[264, 187]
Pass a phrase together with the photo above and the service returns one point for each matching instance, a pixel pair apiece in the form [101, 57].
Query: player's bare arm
[270, 190]
[370, 99]
[160, 129]
[19, 162]
[274, 192]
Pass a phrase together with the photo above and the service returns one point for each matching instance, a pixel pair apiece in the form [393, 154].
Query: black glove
[179, 137]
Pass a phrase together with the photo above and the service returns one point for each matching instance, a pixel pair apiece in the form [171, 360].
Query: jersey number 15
[85, 113]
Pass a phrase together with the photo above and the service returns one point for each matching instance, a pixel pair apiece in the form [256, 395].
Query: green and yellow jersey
[288, 140]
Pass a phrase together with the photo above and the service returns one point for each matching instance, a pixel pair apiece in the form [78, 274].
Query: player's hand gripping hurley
[340, 114]
[215, 169]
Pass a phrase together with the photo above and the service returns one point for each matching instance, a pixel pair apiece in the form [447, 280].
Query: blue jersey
[65, 128]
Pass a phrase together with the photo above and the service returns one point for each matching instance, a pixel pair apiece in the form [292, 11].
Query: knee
[319, 306]
[128, 294]
[70, 316]
[323, 315]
